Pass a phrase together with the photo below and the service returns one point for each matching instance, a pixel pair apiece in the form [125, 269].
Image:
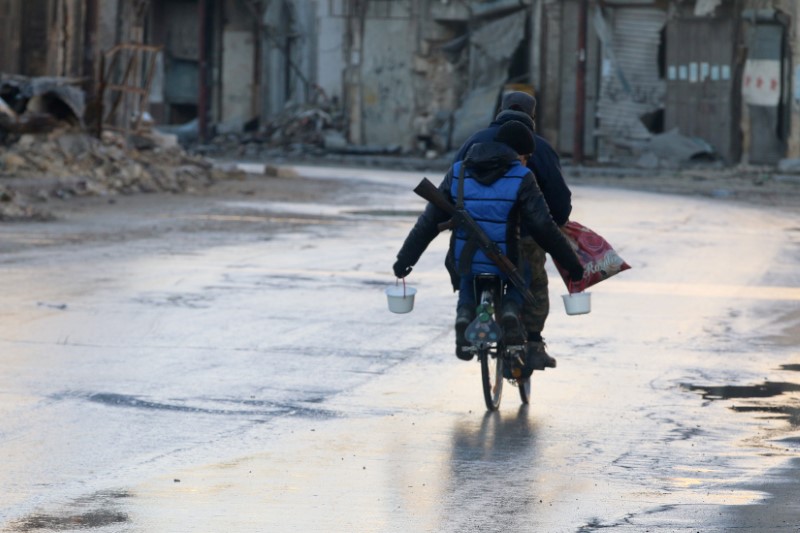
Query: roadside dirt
[762, 186]
[751, 186]
[282, 184]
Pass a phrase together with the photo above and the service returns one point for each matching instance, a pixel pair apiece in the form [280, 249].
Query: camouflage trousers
[534, 316]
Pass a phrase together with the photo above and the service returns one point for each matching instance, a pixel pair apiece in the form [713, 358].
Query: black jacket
[544, 164]
[488, 161]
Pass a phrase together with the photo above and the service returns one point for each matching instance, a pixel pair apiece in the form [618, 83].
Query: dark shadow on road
[490, 486]
[96, 511]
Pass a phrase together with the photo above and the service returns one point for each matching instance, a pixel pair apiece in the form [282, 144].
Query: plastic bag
[600, 261]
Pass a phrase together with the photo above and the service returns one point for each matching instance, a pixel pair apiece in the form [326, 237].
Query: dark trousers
[534, 316]
[466, 290]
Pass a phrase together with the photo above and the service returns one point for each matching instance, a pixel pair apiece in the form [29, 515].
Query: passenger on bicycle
[502, 196]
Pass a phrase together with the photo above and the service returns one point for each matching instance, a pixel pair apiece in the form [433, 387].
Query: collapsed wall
[46, 152]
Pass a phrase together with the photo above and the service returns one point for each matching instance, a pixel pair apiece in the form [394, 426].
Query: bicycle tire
[524, 386]
[492, 379]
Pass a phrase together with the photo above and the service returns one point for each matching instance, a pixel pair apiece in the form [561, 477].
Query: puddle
[209, 406]
[89, 520]
[101, 516]
[782, 412]
[768, 389]
[247, 407]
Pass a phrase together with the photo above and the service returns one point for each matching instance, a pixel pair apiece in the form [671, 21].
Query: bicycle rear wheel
[492, 379]
[524, 386]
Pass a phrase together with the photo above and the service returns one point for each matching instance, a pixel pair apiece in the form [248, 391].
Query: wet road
[229, 364]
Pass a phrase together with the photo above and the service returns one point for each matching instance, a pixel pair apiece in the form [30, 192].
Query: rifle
[460, 218]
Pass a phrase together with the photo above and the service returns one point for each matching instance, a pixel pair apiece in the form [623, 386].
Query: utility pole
[580, 84]
[90, 47]
[356, 14]
[202, 85]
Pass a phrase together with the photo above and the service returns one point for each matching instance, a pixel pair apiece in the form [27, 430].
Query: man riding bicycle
[546, 168]
[501, 195]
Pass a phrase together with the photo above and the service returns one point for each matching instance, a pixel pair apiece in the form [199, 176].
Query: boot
[536, 357]
[464, 316]
[513, 333]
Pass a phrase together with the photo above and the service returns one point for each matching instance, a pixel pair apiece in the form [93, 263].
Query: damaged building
[670, 81]
[647, 82]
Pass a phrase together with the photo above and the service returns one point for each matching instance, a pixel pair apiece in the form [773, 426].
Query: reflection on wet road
[241, 372]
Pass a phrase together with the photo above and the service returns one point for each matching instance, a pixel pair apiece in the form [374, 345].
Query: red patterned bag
[600, 261]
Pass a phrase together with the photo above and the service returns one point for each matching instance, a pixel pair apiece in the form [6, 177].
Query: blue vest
[490, 206]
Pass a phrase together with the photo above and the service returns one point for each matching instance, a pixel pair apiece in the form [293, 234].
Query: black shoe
[513, 333]
[464, 317]
[537, 357]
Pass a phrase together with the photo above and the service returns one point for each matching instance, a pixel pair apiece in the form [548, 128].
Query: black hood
[509, 115]
[488, 162]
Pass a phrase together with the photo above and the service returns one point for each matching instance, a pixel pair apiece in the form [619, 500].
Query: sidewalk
[765, 186]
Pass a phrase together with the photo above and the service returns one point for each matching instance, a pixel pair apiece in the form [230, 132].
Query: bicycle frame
[486, 341]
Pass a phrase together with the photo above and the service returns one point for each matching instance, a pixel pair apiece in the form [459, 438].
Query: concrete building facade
[613, 77]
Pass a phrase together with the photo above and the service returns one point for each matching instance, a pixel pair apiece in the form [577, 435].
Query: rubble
[46, 153]
[67, 163]
[673, 150]
[300, 131]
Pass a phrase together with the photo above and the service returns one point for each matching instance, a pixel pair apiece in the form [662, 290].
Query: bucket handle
[404, 286]
[572, 286]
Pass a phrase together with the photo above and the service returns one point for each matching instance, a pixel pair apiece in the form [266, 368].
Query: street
[226, 362]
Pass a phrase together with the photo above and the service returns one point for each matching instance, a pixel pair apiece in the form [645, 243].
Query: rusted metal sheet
[470, 11]
[35, 37]
[702, 80]
[126, 76]
[490, 50]
[631, 85]
[10, 22]
[567, 74]
[765, 93]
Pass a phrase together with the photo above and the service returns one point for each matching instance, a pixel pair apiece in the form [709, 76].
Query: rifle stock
[430, 192]
[460, 217]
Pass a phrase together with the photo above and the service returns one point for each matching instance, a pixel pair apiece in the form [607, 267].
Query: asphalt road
[226, 362]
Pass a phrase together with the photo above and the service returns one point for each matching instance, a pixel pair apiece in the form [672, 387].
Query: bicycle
[498, 361]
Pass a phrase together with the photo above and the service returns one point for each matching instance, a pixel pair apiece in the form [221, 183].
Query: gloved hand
[401, 270]
[576, 273]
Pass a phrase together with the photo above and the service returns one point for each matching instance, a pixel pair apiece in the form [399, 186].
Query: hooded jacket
[493, 168]
[490, 192]
[544, 163]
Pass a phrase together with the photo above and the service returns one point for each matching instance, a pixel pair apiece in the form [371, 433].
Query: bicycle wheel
[524, 386]
[492, 379]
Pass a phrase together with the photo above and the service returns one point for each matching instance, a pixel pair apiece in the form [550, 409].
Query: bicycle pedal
[513, 373]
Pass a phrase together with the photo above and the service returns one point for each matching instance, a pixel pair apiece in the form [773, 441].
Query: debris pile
[46, 152]
[67, 163]
[298, 132]
[37, 105]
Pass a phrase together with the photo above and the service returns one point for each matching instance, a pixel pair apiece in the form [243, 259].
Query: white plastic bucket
[578, 303]
[401, 299]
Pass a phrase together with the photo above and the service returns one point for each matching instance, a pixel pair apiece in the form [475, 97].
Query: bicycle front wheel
[492, 379]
